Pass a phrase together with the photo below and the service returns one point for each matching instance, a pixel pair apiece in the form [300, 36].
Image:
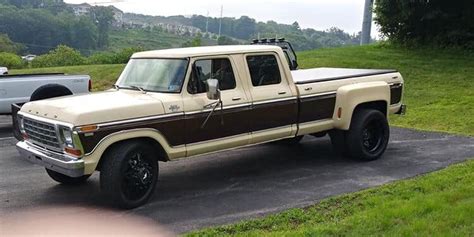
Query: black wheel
[129, 173]
[368, 135]
[64, 179]
[338, 141]
[289, 141]
[49, 91]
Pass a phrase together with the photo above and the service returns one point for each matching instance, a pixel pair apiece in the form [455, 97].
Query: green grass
[103, 76]
[436, 204]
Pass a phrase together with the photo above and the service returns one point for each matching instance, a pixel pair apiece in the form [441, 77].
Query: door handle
[282, 92]
[308, 88]
[236, 98]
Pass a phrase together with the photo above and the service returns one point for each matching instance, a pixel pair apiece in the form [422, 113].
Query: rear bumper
[402, 110]
[54, 161]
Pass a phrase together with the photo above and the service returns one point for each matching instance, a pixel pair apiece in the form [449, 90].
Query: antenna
[220, 21]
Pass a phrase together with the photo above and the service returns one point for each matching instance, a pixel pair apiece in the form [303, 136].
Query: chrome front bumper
[54, 161]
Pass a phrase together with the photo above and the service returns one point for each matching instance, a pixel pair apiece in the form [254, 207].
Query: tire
[338, 141]
[66, 180]
[368, 135]
[49, 91]
[129, 174]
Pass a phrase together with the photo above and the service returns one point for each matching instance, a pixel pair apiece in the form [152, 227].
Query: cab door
[228, 125]
[274, 109]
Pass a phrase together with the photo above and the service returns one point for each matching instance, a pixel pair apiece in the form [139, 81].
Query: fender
[92, 159]
[350, 96]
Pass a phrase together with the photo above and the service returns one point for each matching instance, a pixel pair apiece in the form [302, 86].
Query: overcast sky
[317, 14]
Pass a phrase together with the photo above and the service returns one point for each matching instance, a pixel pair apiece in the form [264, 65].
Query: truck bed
[304, 76]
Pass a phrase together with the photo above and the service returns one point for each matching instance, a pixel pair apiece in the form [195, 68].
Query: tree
[436, 22]
[7, 45]
[224, 40]
[102, 17]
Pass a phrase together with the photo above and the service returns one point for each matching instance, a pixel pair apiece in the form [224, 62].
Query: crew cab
[176, 103]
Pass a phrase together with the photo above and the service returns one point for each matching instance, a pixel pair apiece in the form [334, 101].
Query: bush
[10, 60]
[121, 57]
[61, 56]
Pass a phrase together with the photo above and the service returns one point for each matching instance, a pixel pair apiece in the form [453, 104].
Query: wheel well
[378, 105]
[50, 91]
[161, 154]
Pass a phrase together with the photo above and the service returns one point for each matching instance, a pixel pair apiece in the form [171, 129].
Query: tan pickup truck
[176, 103]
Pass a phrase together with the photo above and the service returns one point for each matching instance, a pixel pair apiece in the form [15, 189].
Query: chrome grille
[41, 133]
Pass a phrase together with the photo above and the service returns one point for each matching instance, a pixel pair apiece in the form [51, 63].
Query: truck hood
[97, 107]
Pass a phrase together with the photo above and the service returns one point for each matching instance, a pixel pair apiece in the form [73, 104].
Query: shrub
[10, 60]
[60, 56]
[120, 57]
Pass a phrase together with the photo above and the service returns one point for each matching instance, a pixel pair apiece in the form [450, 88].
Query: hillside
[439, 86]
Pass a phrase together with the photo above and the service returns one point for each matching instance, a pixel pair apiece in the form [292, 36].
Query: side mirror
[213, 92]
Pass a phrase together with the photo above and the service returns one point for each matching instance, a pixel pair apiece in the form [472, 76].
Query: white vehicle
[3, 71]
[19, 89]
[29, 57]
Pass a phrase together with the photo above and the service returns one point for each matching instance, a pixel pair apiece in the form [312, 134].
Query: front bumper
[51, 160]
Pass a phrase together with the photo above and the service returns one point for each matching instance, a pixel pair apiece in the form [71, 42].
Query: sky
[317, 14]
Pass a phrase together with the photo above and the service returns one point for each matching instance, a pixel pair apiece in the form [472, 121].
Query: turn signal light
[88, 128]
[339, 112]
[72, 151]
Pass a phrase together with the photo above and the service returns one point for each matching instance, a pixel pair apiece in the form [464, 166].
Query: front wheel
[64, 179]
[129, 174]
[368, 135]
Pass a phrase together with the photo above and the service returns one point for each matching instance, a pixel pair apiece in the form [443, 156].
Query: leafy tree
[6, 45]
[60, 56]
[224, 40]
[103, 17]
[436, 22]
[10, 60]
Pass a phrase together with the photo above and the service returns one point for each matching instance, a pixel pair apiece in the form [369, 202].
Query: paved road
[249, 182]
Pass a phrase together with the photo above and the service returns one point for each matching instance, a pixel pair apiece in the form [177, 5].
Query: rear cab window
[264, 70]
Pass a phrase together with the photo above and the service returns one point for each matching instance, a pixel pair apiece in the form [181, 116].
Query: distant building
[85, 8]
[80, 9]
[118, 15]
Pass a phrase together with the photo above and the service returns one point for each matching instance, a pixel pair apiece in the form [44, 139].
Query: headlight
[21, 125]
[66, 136]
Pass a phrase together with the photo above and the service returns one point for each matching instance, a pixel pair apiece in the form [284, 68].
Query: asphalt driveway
[244, 183]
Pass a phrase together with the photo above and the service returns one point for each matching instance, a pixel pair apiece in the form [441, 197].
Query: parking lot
[234, 185]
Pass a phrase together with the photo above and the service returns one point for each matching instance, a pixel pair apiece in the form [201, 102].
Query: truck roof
[204, 51]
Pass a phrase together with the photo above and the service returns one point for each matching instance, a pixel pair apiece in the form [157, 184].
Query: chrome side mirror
[213, 92]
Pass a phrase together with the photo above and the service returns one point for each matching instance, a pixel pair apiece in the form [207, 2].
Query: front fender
[92, 159]
[350, 96]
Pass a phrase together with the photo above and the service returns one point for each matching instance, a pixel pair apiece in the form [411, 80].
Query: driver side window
[220, 69]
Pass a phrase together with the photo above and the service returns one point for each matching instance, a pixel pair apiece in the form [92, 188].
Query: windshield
[157, 75]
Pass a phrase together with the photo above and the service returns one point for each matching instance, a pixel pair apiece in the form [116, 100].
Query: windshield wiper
[138, 88]
[117, 87]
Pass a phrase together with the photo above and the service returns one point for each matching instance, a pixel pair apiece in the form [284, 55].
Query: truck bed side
[318, 93]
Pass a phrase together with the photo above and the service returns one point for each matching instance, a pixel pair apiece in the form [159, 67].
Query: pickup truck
[176, 103]
[21, 88]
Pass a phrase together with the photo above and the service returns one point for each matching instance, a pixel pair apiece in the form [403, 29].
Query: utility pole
[367, 22]
[207, 22]
[220, 21]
